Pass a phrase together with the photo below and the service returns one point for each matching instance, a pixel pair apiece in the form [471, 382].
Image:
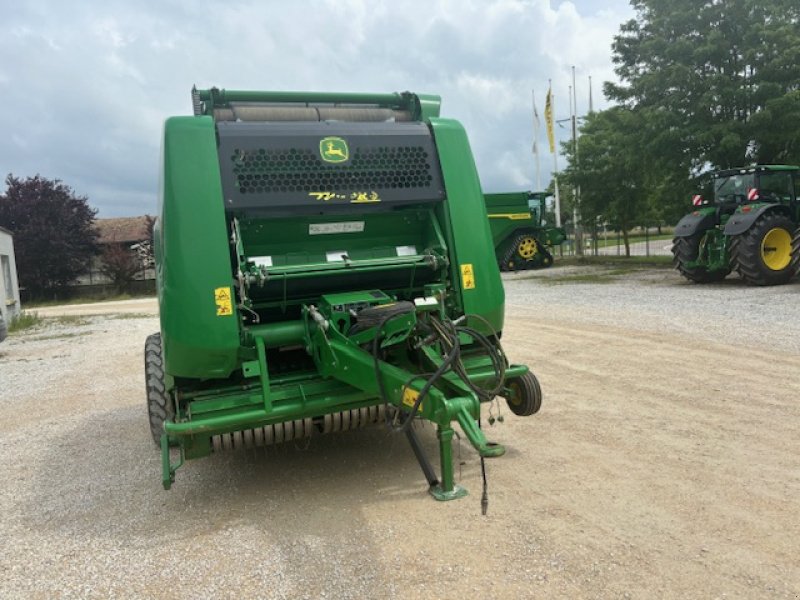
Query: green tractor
[324, 263]
[521, 239]
[747, 228]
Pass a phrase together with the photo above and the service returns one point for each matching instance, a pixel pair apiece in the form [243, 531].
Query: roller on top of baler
[323, 262]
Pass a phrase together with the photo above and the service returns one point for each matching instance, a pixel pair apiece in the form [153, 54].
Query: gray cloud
[88, 85]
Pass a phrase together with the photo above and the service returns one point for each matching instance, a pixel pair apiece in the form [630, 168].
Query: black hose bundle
[447, 333]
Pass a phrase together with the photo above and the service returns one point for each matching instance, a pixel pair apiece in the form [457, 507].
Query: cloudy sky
[87, 85]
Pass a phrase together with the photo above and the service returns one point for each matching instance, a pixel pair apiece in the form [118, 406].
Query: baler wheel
[525, 398]
[159, 404]
[763, 253]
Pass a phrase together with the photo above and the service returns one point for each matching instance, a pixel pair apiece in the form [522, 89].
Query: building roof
[4, 230]
[122, 229]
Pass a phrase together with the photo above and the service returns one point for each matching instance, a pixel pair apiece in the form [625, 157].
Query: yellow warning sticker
[409, 397]
[222, 298]
[467, 277]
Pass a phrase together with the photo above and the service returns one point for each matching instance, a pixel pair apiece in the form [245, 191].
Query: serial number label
[326, 228]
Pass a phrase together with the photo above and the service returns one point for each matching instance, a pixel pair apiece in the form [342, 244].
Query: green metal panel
[483, 293]
[508, 212]
[429, 105]
[194, 259]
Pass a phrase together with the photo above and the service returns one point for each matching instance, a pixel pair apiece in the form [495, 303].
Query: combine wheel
[522, 253]
[527, 247]
[763, 253]
[686, 249]
[525, 398]
[159, 404]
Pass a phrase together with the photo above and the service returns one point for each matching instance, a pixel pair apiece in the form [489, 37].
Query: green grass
[57, 336]
[73, 320]
[30, 320]
[85, 300]
[24, 321]
[131, 316]
[617, 261]
[600, 277]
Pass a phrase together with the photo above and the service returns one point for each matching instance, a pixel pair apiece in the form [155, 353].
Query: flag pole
[536, 143]
[549, 111]
[576, 190]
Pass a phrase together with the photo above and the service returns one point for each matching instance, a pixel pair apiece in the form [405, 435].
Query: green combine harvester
[521, 239]
[747, 228]
[324, 263]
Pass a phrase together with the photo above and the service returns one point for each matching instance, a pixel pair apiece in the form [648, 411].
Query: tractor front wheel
[763, 253]
[687, 249]
[525, 397]
[159, 404]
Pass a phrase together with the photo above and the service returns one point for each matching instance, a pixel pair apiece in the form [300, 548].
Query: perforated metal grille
[297, 170]
[279, 166]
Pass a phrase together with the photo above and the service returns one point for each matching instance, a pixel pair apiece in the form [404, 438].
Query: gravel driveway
[665, 463]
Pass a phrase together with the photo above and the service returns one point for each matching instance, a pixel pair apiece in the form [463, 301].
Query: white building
[9, 287]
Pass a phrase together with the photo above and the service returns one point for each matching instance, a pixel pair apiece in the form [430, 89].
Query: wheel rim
[527, 248]
[776, 249]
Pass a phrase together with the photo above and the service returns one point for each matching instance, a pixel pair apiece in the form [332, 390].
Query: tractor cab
[536, 207]
[735, 187]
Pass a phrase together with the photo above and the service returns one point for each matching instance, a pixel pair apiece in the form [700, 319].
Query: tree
[719, 79]
[120, 264]
[565, 196]
[612, 172]
[54, 235]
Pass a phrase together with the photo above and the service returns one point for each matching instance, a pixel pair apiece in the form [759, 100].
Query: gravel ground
[647, 299]
[664, 463]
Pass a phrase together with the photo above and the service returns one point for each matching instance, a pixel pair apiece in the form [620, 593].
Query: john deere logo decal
[333, 150]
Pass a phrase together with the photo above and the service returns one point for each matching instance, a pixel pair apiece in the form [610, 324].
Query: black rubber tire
[684, 250]
[746, 251]
[159, 404]
[527, 399]
[796, 253]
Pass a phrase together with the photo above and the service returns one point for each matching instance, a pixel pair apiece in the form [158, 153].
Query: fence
[652, 240]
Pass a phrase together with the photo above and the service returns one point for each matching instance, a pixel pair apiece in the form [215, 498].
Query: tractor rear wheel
[763, 253]
[685, 250]
[159, 404]
[796, 252]
[525, 398]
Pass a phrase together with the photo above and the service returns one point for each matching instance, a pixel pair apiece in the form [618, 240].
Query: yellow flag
[548, 119]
